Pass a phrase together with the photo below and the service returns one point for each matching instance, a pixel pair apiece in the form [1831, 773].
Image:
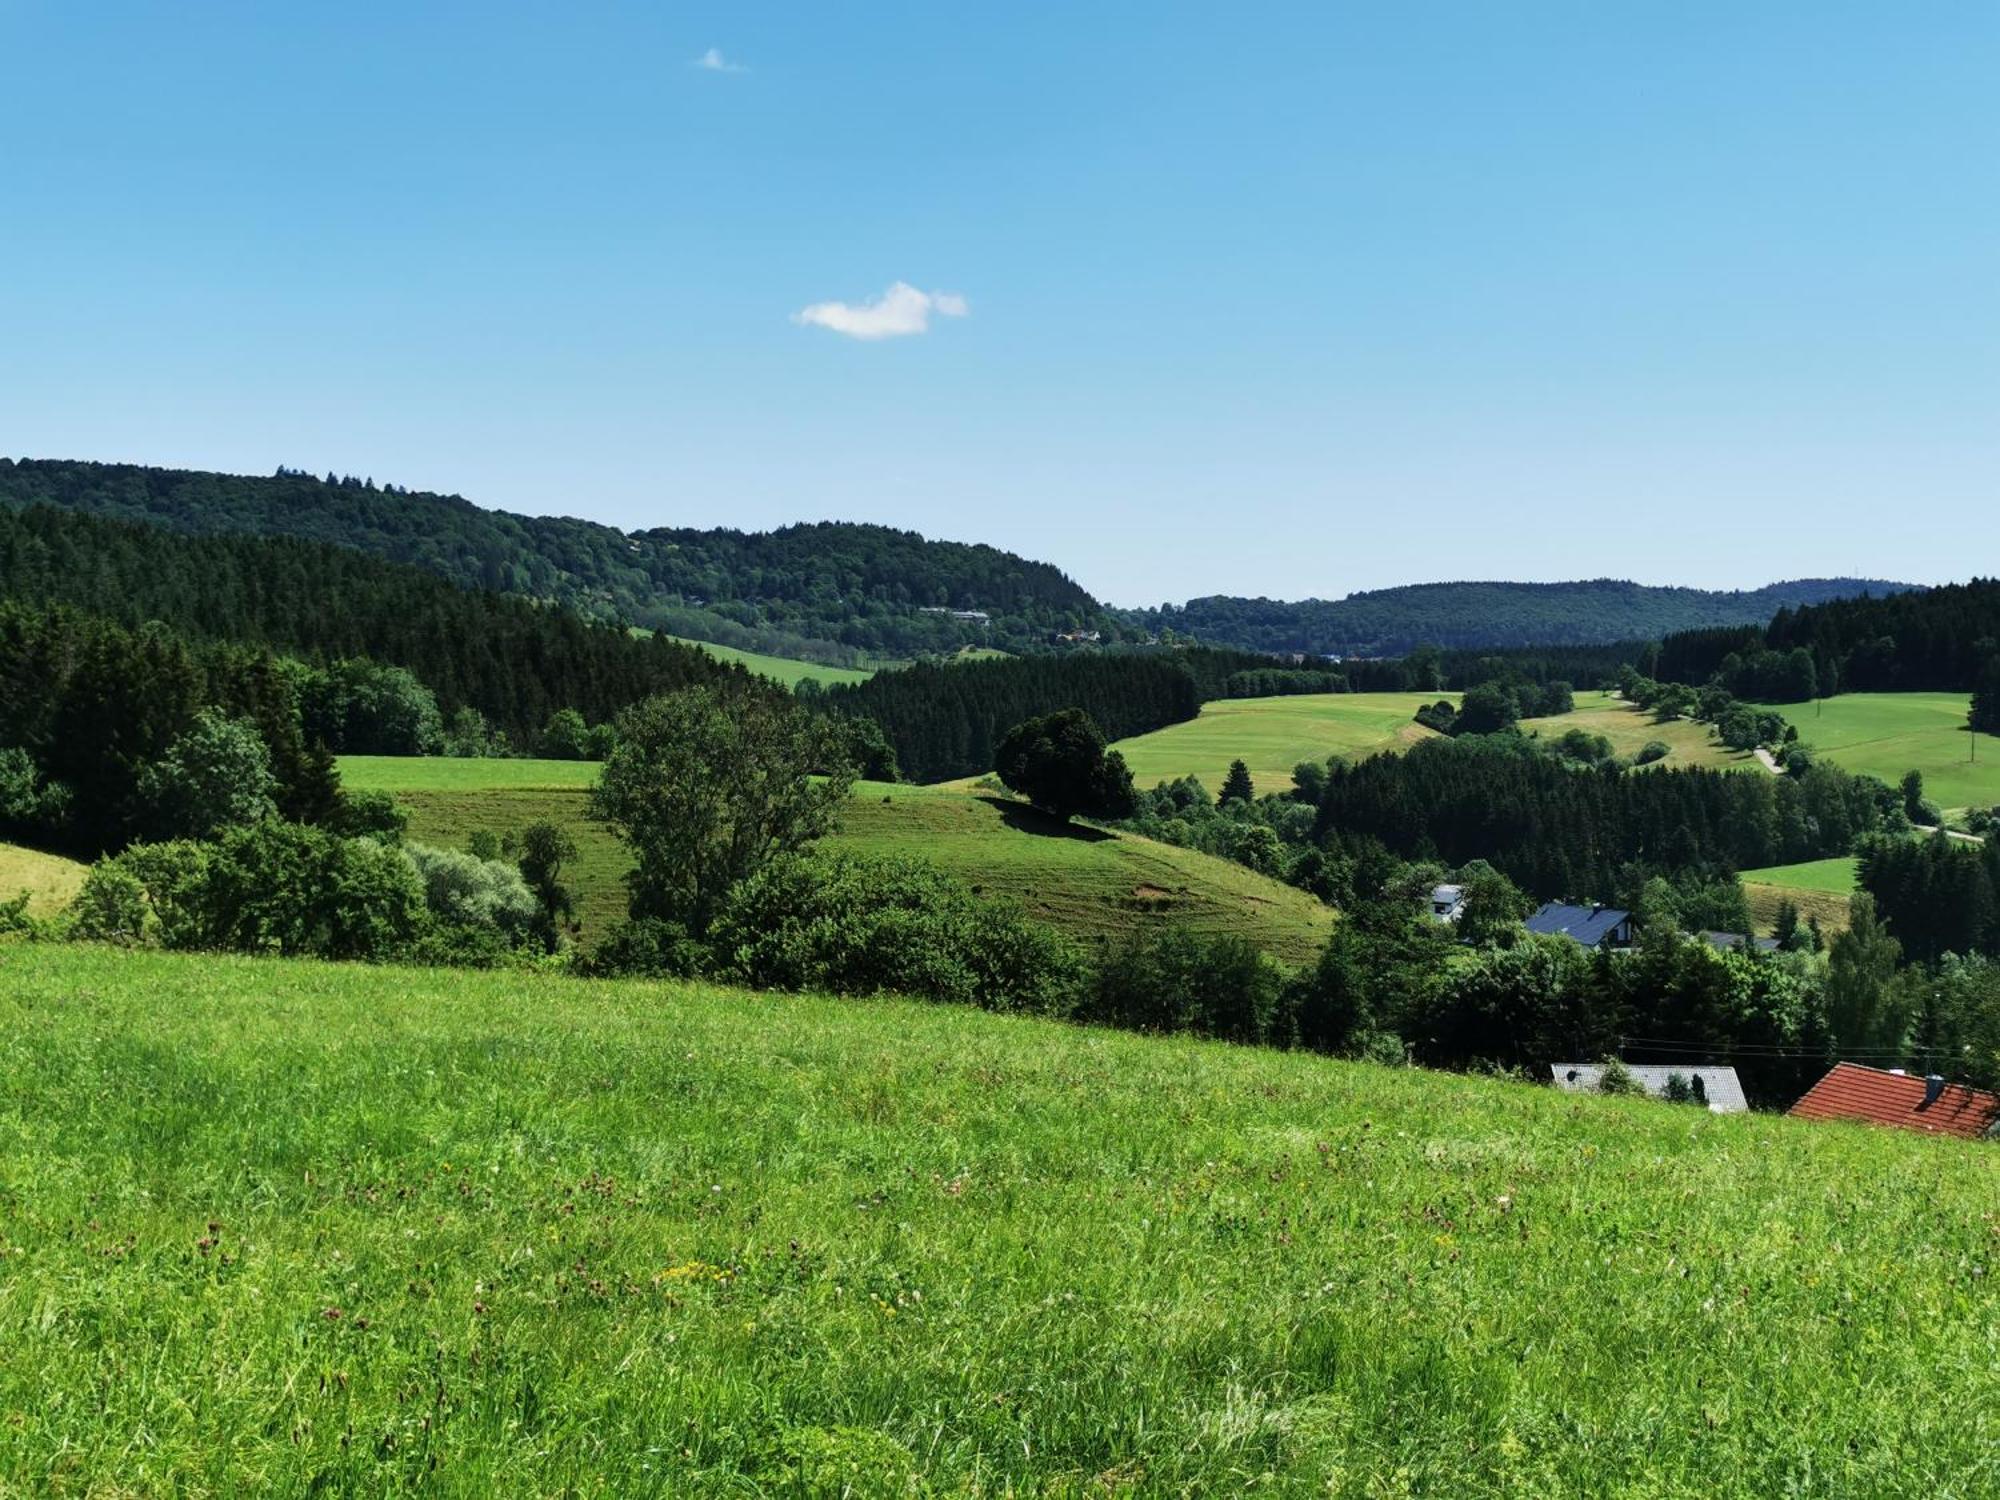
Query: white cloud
[899, 311]
[712, 61]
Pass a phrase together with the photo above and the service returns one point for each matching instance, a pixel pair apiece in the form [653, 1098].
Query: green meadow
[1888, 734]
[274, 1227]
[1818, 888]
[1094, 884]
[780, 668]
[49, 879]
[444, 773]
[1272, 735]
[1630, 729]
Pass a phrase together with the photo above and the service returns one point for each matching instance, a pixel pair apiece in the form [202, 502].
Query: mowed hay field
[1888, 734]
[1629, 729]
[1273, 735]
[1096, 885]
[50, 880]
[277, 1227]
[1818, 888]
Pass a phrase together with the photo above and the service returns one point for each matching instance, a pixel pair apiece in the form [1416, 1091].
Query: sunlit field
[1272, 735]
[288, 1228]
[1888, 734]
[1096, 885]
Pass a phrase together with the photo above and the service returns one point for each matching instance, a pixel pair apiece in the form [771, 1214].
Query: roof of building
[1852, 1092]
[1589, 925]
[1719, 1085]
[1728, 940]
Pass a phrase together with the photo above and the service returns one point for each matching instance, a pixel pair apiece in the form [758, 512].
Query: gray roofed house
[1717, 1087]
[1592, 926]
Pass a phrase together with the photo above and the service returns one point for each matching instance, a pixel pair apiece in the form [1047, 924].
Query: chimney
[1933, 1089]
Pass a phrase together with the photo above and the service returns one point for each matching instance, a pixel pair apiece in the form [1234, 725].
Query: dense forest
[1472, 616]
[948, 720]
[1943, 639]
[830, 591]
[1561, 831]
[514, 661]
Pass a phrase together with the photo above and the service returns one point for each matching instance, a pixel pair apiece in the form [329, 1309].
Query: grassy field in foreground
[1818, 888]
[290, 1228]
[1887, 734]
[49, 879]
[1629, 729]
[780, 668]
[1272, 735]
[1095, 885]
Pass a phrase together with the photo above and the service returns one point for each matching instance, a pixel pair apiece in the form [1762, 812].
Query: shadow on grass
[1033, 820]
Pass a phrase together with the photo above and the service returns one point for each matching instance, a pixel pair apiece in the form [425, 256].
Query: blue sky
[1278, 300]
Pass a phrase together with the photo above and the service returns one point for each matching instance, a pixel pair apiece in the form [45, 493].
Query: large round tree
[1059, 763]
[708, 784]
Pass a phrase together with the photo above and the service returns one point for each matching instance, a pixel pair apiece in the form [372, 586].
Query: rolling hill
[286, 1227]
[1888, 734]
[1093, 884]
[1272, 735]
[1392, 622]
[831, 592]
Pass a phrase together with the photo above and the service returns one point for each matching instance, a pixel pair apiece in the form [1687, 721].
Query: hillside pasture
[1097, 885]
[780, 668]
[50, 880]
[1630, 728]
[1273, 735]
[1818, 888]
[1888, 734]
[444, 773]
[275, 1227]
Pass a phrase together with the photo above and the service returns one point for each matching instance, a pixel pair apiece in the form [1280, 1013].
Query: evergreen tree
[1236, 786]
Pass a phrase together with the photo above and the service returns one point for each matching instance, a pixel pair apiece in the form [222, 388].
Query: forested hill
[832, 591]
[514, 661]
[1391, 622]
[1941, 639]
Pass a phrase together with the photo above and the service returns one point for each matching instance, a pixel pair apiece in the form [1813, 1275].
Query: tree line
[1942, 639]
[946, 721]
[1480, 616]
[1559, 830]
[834, 592]
[514, 662]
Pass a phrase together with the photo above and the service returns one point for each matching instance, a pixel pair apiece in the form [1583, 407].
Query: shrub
[647, 948]
[112, 907]
[277, 887]
[1651, 751]
[1617, 1079]
[465, 890]
[14, 918]
[849, 925]
[1178, 980]
[376, 815]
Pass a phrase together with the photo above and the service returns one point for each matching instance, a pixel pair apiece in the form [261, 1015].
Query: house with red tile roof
[1876, 1097]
